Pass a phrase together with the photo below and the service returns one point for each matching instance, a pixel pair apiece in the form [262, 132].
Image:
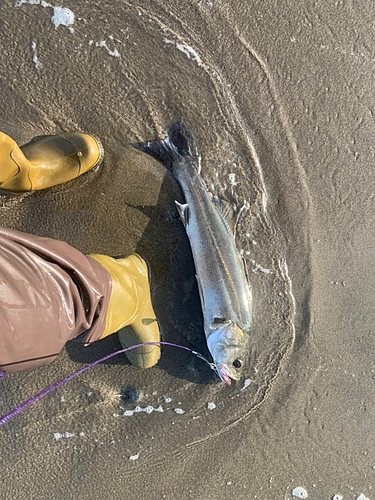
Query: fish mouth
[226, 375]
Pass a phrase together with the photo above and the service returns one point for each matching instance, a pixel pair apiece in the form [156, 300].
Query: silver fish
[224, 290]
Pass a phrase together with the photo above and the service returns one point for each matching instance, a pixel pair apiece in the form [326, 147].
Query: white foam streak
[185, 49]
[37, 63]
[58, 436]
[146, 409]
[61, 15]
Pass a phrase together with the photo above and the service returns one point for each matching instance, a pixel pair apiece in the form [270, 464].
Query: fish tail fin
[171, 149]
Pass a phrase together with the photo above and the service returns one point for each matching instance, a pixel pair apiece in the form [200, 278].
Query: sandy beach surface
[279, 99]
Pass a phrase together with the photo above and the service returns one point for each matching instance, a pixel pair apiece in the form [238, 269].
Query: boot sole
[101, 151]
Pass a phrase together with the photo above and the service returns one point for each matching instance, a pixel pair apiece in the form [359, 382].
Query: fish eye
[237, 363]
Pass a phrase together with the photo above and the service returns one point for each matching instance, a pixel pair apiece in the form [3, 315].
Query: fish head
[228, 345]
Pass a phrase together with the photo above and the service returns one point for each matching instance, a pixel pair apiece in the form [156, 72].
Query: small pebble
[246, 383]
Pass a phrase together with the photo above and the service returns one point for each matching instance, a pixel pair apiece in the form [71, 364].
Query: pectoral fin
[248, 288]
[218, 322]
[229, 212]
[183, 210]
[245, 270]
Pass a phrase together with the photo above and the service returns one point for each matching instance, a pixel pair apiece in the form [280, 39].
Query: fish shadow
[174, 288]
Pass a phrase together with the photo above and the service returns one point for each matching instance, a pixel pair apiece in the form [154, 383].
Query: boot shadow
[163, 243]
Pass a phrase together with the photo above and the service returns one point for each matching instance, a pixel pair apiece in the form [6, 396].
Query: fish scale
[205, 221]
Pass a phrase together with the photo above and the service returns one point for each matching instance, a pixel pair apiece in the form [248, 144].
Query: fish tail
[173, 148]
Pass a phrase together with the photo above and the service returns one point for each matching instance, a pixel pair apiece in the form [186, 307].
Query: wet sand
[278, 98]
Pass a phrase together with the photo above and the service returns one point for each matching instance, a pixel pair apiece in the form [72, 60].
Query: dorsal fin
[229, 211]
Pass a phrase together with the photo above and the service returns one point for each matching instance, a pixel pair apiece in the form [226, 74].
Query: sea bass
[223, 288]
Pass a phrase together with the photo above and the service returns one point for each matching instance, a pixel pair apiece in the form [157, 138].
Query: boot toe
[145, 356]
[88, 148]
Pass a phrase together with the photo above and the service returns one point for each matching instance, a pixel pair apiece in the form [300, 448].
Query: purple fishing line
[2, 373]
[45, 391]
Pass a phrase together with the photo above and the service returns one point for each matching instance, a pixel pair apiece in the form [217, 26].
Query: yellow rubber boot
[130, 311]
[46, 162]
